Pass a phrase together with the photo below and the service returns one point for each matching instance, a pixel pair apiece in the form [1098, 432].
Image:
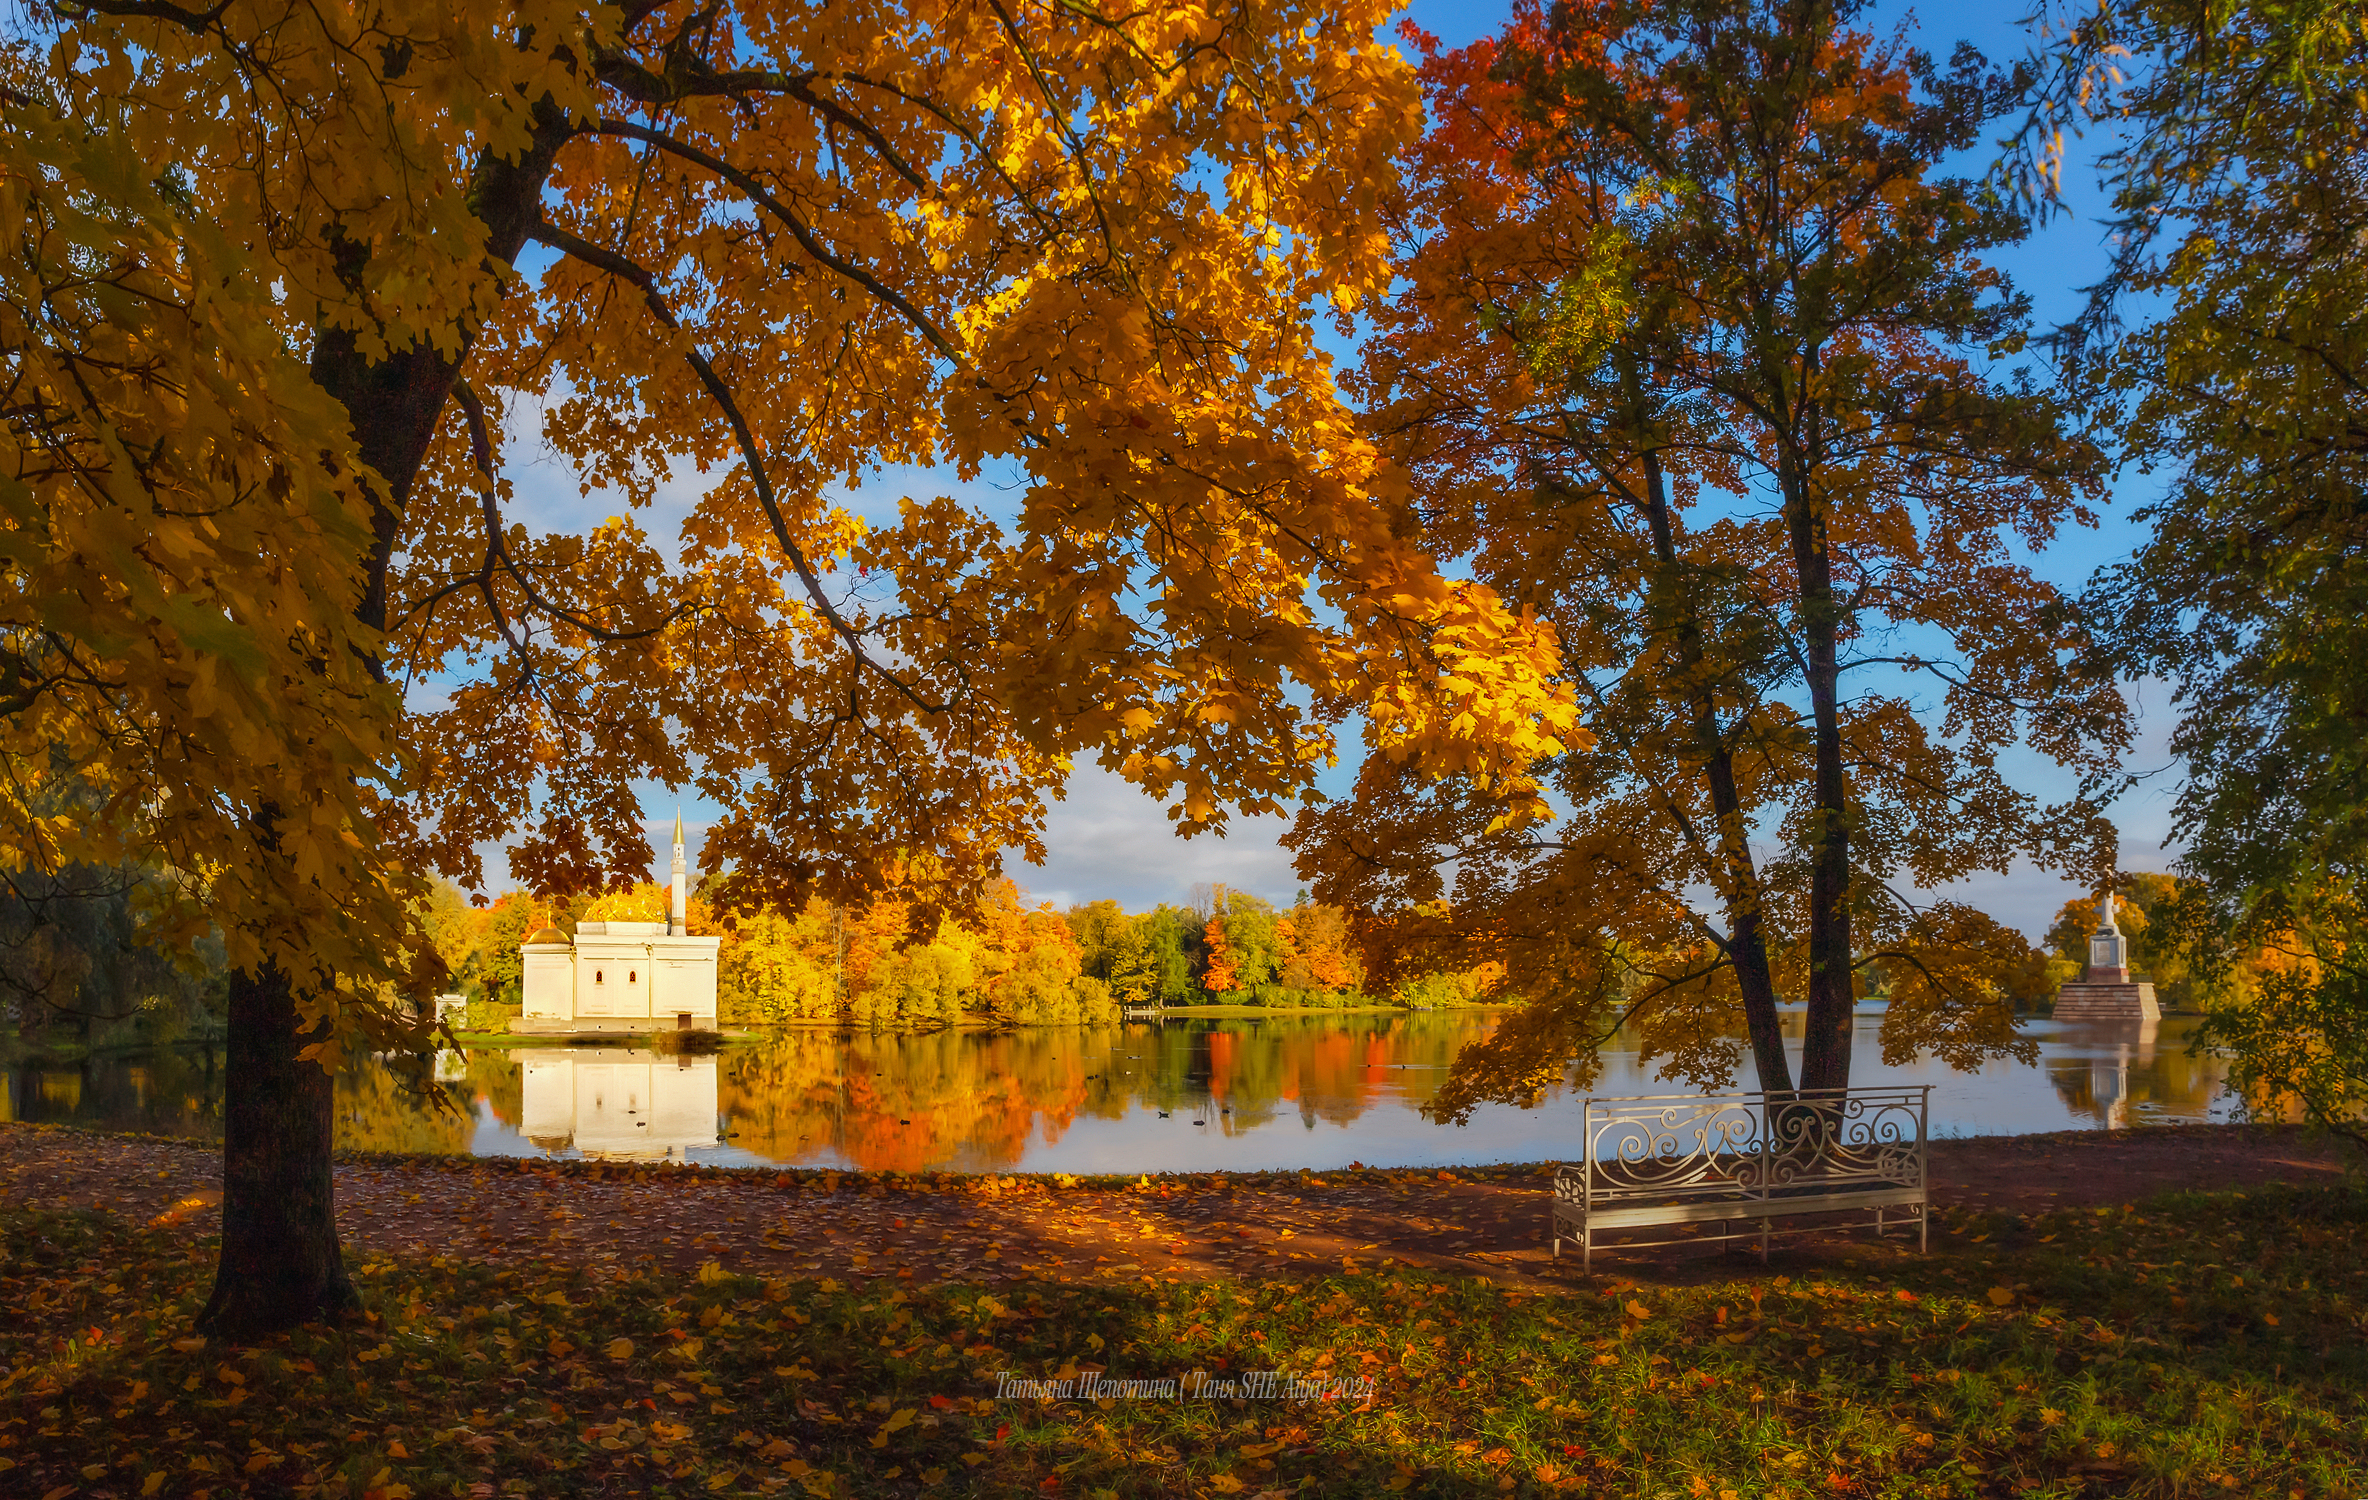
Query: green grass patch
[2204, 1345]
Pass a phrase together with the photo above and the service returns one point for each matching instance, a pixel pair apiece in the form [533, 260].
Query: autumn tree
[1314, 961]
[1220, 972]
[1151, 963]
[775, 966]
[286, 286]
[2229, 343]
[1699, 359]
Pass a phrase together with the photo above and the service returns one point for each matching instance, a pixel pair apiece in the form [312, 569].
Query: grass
[2202, 1345]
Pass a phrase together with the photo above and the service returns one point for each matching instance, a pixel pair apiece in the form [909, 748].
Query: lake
[1183, 1094]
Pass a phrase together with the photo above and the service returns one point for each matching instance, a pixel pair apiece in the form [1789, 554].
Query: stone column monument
[2107, 992]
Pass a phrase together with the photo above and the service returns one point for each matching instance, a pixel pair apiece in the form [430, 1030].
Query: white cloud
[1109, 840]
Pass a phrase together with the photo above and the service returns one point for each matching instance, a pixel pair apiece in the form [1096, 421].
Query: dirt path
[781, 1223]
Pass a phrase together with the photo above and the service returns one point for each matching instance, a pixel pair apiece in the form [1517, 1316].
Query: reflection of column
[2109, 1085]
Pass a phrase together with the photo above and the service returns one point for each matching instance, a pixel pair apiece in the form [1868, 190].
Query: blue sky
[1107, 840]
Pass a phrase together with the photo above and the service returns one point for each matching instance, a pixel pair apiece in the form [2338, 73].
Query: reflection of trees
[495, 1080]
[159, 1090]
[2127, 1066]
[886, 1101]
[968, 1099]
[895, 1102]
[382, 1105]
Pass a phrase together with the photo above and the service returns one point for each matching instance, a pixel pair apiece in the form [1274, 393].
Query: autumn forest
[1595, 478]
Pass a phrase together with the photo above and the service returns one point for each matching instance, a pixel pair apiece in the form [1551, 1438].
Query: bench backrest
[1751, 1145]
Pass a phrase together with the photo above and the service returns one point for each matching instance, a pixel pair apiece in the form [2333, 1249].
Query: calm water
[1186, 1095]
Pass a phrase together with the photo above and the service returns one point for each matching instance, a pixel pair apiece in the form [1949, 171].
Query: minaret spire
[678, 919]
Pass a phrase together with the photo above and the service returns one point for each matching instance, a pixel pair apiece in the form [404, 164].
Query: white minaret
[678, 920]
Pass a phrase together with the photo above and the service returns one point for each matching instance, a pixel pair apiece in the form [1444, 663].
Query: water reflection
[2115, 1075]
[161, 1091]
[1239, 1094]
[615, 1105]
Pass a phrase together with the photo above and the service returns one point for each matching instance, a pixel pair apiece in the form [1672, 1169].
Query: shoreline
[944, 1227]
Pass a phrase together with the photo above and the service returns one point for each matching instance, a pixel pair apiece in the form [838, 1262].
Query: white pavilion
[623, 976]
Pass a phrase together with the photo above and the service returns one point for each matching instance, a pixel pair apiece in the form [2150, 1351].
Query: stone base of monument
[2107, 995]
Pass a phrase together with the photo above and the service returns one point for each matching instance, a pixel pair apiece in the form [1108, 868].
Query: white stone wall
[612, 978]
[549, 988]
[624, 972]
[685, 970]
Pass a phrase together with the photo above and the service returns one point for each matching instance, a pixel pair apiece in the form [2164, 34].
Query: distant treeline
[1008, 962]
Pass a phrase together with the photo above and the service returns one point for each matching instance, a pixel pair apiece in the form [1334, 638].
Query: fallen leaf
[2002, 1295]
[620, 1349]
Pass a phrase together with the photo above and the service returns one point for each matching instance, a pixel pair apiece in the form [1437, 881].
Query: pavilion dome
[547, 935]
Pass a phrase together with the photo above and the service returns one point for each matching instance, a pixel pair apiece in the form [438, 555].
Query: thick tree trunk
[1739, 888]
[1825, 1054]
[280, 1263]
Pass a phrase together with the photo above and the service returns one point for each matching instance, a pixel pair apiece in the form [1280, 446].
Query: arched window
[599, 977]
[633, 976]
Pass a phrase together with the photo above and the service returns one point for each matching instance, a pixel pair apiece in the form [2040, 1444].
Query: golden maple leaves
[183, 534]
[788, 247]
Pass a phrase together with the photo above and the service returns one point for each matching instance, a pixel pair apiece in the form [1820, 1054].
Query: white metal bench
[1689, 1159]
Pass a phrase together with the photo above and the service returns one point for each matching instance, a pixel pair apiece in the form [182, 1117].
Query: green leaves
[2247, 385]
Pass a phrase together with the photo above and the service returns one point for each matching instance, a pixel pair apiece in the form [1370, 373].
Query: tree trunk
[1739, 889]
[1825, 1055]
[280, 1262]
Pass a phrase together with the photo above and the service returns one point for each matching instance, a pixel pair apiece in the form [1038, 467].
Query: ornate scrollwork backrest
[1752, 1145]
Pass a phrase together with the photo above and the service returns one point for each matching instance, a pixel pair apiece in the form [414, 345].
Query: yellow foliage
[776, 251]
[643, 902]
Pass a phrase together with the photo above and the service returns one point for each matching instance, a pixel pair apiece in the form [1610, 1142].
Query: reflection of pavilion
[616, 1105]
[2101, 1086]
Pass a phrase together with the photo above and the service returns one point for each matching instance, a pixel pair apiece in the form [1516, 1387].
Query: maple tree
[2229, 344]
[1698, 357]
[286, 286]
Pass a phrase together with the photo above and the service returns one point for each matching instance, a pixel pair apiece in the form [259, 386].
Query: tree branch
[619, 266]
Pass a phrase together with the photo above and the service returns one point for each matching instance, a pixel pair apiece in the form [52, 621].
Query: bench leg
[1924, 1229]
[1763, 1241]
[1878, 1223]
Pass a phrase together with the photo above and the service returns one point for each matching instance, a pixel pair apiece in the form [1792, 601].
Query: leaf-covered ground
[989, 1229]
[2202, 1345]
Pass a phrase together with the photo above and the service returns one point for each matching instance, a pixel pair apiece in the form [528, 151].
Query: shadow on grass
[2203, 1344]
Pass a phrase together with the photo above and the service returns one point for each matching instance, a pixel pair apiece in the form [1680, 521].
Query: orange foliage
[1217, 970]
